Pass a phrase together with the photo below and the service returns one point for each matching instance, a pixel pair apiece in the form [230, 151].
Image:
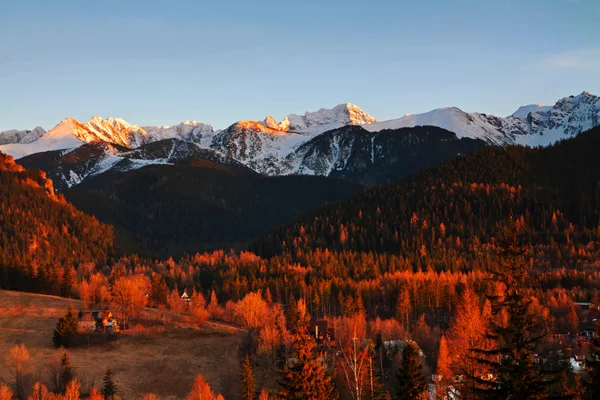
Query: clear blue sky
[161, 62]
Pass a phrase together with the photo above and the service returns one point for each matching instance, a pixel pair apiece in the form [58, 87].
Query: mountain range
[342, 141]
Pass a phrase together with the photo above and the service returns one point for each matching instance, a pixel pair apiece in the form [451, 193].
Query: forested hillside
[445, 217]
[199, 205]
[42, 237]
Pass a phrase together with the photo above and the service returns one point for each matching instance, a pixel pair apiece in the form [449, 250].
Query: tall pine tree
[109, 388]
[411, 382]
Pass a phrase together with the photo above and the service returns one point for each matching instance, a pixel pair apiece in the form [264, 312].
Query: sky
[163, 62]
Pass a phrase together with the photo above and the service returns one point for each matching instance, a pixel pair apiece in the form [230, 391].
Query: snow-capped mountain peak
[15, 136]
[529, 125]
[523, 111]
[324, 119]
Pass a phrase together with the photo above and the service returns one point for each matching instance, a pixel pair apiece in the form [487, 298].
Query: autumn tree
[95, 394]
[109, 388]
[159, 292]
[201, 391]
[404, 307]
[411, 382]
[264, 395]
[66, 329]
[513, 329]
[40, 392]
[94, 291]
[443, 371]
[198, 307]
[467, 332]
[72, 390]
[151, 396]
[252, 311]
[19, 363]
[129, 295]
[306, 378]
[5, 392]
[248, 383]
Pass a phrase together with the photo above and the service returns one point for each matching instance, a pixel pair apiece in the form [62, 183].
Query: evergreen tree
[513, 329]
[66, 329]
[109, 388]
[307, 379]
[248, 383]
[66, 371]
[410, 375]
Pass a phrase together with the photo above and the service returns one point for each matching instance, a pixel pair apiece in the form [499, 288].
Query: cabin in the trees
[98, 321]
[185, 297]
[320, 330]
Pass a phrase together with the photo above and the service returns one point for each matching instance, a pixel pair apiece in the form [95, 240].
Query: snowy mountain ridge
[533, 126]
[289, 147]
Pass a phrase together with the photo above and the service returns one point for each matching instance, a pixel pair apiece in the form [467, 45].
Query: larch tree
[248, 383]
[129, 296]
[306, 378]
[19, 364]
[252, 311]
[467, 332]
[72, 390]
[201, 390]
[41, 392]
[95, 394]
[5, 392]
[443, 371]
[404, 307]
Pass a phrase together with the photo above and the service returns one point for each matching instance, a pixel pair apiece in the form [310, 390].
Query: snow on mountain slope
[568, 117]
[187, 130]
[71, 167]
[494, 130]
[257, 146]
[352, 152]
[15, 136]
[60, 137]
[70, 133]
[531, 108]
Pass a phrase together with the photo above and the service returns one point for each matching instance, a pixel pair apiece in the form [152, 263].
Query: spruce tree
[66, 371]
[307, 378]
[66, 329]
[411, 382]
[248, 383]
[516, 336]
[109, 388]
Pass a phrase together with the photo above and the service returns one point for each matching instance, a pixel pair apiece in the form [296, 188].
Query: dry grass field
[165, 364]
